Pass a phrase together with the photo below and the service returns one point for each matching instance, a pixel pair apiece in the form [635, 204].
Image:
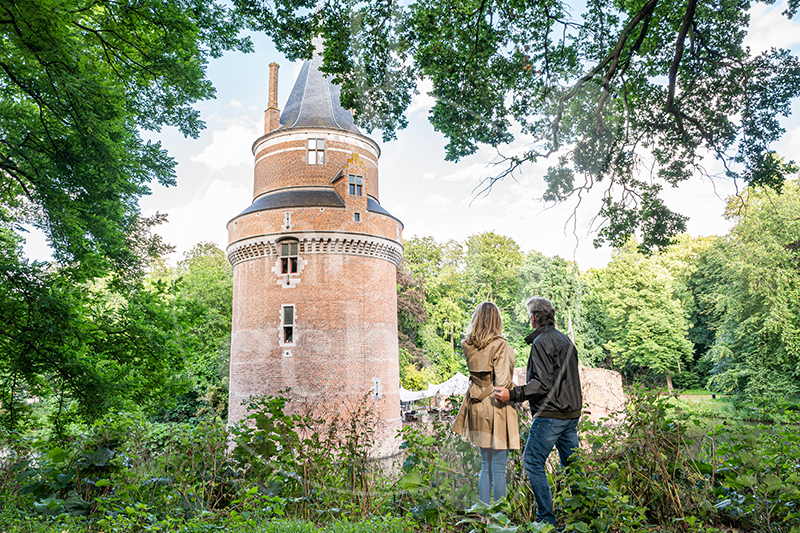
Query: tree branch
[646, 10]
[688, 18]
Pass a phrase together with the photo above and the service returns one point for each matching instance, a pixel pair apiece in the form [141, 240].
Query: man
[553, 390]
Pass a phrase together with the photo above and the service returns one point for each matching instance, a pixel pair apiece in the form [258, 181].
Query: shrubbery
[289, 471]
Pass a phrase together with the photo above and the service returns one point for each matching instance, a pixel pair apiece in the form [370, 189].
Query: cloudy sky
[431, 196]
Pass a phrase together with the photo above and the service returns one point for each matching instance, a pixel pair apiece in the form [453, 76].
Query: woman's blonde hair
[485, 326]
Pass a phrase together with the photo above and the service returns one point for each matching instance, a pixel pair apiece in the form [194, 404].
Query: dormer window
[356, 185]
[316, 152]
[289, 258]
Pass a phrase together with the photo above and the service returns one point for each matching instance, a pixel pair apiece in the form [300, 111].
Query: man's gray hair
[542, 309]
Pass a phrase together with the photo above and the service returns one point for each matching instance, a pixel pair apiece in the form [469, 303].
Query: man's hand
[501, 394]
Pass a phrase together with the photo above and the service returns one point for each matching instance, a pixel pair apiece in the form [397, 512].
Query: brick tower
[314, 263]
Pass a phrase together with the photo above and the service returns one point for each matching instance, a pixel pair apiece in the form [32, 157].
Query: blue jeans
[546, 433]
[493, 474]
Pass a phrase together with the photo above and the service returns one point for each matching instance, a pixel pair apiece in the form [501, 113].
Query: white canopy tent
[457, 384]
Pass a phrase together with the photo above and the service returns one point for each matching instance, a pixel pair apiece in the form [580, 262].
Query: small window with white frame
[289, 257]
[356, 217]
[356, 185]
[316, 152]
[288, 326]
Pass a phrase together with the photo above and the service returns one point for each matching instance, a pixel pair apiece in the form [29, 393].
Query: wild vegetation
[655, 468]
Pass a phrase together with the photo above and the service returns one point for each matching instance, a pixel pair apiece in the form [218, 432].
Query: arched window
[289, 258]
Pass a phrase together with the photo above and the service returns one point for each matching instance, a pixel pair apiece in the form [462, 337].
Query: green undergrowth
[71, 525]
[654, 468]
[727, 408]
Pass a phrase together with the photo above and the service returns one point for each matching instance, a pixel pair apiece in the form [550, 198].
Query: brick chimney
[272, 115]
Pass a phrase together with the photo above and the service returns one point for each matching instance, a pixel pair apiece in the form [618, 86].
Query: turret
[315, 258]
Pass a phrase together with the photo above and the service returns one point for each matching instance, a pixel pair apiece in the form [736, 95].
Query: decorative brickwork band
[317, 243]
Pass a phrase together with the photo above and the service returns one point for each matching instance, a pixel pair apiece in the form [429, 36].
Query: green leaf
[26, 474]
[410, 462]
[64, 479]
[751, 459]
[745, 480]
[57, 455]
[701, 467]
[497, 528]
[19, 466]
[773, 482]
[412, 481]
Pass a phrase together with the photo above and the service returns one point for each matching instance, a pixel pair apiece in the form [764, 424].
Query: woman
[490, 425]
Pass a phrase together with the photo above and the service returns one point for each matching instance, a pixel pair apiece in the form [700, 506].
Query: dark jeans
[493, 474]
[546, 433]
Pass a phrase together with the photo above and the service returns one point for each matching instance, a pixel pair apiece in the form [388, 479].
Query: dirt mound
[602, 391]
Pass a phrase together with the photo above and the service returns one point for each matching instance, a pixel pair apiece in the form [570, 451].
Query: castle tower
[314, 263]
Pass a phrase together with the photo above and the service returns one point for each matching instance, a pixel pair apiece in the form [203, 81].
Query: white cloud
[769, 28]
[474, 172]
[790, 143]
[422, 101]
[230, 147]
[437, 200]
[235, 103]
[204, 219]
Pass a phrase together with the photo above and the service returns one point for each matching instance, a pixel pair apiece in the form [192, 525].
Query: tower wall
[346, 336]
[283, 153]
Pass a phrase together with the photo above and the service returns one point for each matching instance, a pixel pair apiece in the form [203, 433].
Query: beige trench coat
[483, 420]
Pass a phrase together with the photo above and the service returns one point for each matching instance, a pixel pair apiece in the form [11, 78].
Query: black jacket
[553, 389]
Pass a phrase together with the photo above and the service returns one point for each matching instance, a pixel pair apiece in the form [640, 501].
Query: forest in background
[720, 313]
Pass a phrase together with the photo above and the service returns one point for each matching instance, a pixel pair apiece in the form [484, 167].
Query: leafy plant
[438, 473]
[64, 482]
[318, 462]
[756, 477]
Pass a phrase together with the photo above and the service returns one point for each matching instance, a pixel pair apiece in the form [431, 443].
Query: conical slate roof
[314, 102]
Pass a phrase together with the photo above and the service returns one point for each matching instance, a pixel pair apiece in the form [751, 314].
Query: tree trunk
[669, 384]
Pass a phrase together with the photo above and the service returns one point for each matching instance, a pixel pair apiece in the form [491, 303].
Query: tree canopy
[634, 304]
[441, 284]
[751, 296]
[80, 83]
[629, 96]
[79, 80]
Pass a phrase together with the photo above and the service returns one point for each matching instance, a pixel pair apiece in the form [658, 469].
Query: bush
[688, 380]
[754, 470]
[438, 474]
[320, 465]
[655, 467]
